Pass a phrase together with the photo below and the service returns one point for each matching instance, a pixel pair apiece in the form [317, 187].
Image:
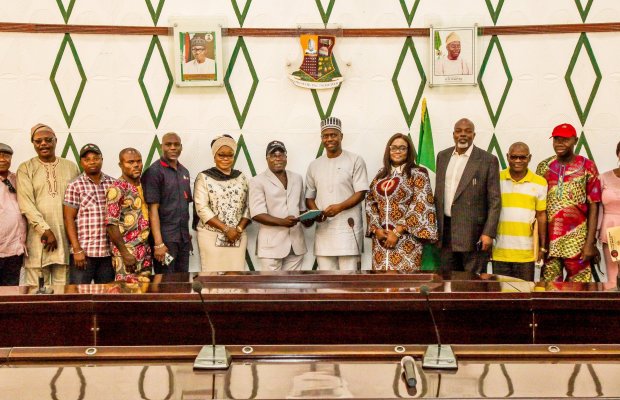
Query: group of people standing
[90, 227]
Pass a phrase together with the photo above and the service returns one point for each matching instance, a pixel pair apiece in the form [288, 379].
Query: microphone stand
[351, 223]
[210, 357]
[437, 356]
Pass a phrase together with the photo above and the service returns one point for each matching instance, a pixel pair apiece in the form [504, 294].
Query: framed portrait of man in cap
[453, 56]
[198, 52]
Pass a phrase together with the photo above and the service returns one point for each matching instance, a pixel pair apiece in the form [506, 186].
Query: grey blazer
[268, 196]
[477, 201]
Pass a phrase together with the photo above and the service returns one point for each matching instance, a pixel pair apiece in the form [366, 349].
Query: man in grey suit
[468, 202]
[276, 200]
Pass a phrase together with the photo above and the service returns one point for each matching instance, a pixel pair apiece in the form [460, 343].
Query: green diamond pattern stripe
[495, 44]
[66, 12]
[240, 114]
[155, 13]
[582, 144]
[494, 148]
[325, 14]
[155, 114]
[154, 151]
[409, 49]
[68, 114]
[330, 107]
[70, 146]
[584, 11]
[495, 11]
[241, 14]
[248, 259]
[581, 111]
[409, 14]
[242, 146]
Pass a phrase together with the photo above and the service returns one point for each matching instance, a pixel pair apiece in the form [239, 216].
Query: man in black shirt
[167, 191]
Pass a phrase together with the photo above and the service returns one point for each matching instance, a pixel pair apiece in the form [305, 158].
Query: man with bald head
[41, 184]
[468, 202]
[524, 201]
[167, 191]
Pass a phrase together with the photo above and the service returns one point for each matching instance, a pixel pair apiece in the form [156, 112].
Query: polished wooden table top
[279, 372]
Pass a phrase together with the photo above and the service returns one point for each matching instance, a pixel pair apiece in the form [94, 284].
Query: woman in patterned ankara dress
[400, 209]
[221, 204]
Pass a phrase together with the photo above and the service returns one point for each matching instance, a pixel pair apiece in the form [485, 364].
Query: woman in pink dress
[609, 216]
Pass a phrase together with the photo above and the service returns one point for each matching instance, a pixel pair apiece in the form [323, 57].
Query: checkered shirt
[90, 201]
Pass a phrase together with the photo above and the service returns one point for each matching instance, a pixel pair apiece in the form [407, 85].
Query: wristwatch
[239, 229]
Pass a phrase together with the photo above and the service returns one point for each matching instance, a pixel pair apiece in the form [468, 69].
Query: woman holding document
[609, 217]
[400, 209]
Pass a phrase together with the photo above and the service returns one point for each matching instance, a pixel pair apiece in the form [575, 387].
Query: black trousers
[470, 261]
[9, 270]
[180, 251]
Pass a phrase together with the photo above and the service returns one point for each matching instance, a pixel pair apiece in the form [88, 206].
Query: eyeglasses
[518, 158]
[47, 140]
[198, 49]
[401, 149]
[8, 183]
[224, 156]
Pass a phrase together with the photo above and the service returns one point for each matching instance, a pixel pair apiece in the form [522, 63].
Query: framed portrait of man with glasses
[197, 52]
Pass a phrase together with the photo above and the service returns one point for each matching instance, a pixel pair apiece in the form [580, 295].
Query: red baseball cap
[564, 130]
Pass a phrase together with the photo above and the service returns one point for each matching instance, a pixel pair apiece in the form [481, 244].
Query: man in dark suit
[468, 202]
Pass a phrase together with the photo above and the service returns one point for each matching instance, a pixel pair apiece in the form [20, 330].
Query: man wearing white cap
[451, 64]
[336, 183]
[12, 223]
[41, 185]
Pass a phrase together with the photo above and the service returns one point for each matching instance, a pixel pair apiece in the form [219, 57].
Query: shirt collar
[165, 164]
[505, 175]
[466, 154]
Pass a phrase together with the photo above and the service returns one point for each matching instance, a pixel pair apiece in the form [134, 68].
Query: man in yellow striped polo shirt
[524, 200]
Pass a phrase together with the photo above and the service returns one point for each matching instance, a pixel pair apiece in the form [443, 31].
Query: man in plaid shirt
[84, 212]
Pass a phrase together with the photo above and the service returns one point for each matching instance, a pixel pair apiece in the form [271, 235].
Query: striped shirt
[520, 201]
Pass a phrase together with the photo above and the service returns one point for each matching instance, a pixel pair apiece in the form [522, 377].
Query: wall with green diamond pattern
[117, 91]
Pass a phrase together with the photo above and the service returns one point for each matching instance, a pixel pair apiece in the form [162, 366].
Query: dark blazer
[477, 201]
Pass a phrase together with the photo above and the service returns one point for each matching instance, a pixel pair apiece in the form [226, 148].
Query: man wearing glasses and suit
[467, 202]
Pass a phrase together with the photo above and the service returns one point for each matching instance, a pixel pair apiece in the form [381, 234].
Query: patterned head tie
[331, 122]
[224, 140]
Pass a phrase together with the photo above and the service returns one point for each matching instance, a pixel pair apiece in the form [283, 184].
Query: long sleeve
[202, 202]
[246, 209]
[372, 208]
[26, 199]
[494, 199]
[421, 218]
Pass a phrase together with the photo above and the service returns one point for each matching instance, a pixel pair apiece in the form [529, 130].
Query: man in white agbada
[201, 64]
[336, 183]
[451, 64]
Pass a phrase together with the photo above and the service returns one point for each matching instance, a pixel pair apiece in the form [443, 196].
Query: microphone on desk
[210, 357]
[436, 356]
[351, 223]
[408, 364]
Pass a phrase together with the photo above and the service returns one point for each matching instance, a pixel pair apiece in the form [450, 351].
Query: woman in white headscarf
[221, 204]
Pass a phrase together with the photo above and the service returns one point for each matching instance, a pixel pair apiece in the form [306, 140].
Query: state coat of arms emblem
[318, 69]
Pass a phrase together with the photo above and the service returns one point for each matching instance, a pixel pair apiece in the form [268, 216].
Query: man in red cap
[572, 210]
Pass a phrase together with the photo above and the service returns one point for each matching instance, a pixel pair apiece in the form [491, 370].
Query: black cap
[89, 148]
[275, 145]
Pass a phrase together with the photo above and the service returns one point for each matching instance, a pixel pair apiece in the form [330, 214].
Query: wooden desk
[310, 308]
[279, 372]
